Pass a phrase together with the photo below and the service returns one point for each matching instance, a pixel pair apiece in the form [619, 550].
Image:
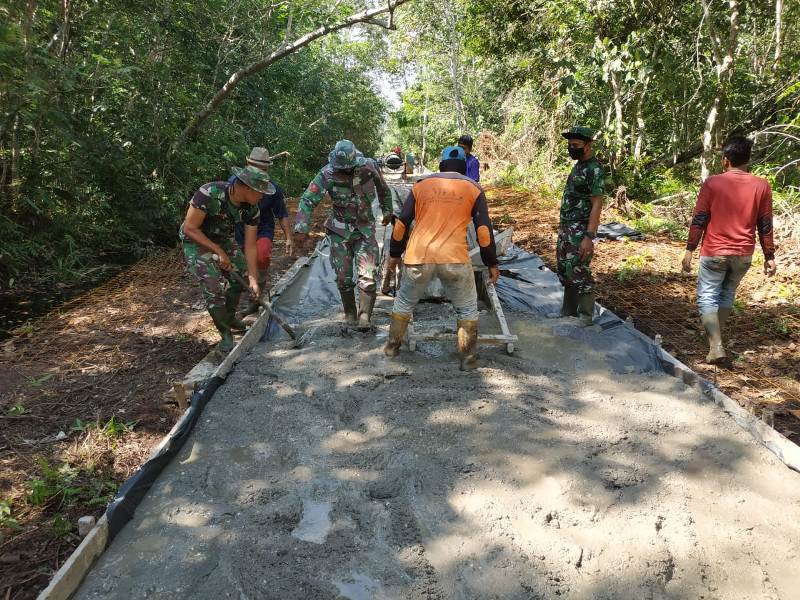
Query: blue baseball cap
[454, 153]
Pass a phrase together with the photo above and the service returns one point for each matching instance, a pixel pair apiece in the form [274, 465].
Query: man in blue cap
[442, 206]
[581, 205]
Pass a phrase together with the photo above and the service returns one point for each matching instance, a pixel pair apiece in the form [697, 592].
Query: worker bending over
[207, 235]
[442, 205]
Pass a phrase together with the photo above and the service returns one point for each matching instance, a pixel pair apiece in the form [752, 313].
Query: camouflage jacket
[584, 181]
[351, 200]
[221, 214]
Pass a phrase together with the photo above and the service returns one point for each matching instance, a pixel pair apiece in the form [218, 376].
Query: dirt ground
[642, 280]
[83, 399]
[329, 472]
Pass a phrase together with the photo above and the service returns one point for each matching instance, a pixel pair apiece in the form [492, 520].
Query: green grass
[632, 266]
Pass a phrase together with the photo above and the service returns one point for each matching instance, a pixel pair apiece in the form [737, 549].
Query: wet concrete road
[330, 472]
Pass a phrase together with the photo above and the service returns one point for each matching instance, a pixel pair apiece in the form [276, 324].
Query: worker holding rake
[211, 252]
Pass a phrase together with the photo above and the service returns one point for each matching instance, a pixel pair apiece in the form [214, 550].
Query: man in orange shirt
[730, 207]
[442, 207]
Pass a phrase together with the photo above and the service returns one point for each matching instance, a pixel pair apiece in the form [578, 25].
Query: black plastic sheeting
[616, 231]
[527, 286]
[121, 509]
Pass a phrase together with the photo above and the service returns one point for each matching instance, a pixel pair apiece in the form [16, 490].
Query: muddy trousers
[571, 270]
[717, 280]
[459, 285]
[213, 281]
[354, 255]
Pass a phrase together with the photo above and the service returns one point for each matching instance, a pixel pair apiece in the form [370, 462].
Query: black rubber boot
[366, 302]
[219, 314]
[231, 304]
[586, 308]
[349, 305]
[569, 305]
[397, 331]
[468, 344]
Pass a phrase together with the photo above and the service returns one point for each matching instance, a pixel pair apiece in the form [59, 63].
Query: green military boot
[366, 302]
[468, 344]
[231, 304]
[397, 331]
[569, 305]
[586, 309]
[349, 305]
[716, 350]
[219, 314]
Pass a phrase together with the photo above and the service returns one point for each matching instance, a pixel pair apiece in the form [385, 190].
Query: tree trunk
[619, 141]
[284, 50]
[455, 67]
[65, 32]
[778, 30]
[724, 62]
[27, 24]
[425, 127]
[707, 158]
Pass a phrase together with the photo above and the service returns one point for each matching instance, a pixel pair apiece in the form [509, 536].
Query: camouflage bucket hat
[579, 132]
[254, 178]
[345, 156]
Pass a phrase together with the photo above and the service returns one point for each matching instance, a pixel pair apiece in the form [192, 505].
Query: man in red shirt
[730, 207]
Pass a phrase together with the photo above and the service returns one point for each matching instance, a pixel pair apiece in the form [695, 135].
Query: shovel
[266, 305]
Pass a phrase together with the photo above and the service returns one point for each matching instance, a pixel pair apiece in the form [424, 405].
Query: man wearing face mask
[579, 219]
[351, 181]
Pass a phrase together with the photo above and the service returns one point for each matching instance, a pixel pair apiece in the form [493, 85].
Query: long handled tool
[266, 305]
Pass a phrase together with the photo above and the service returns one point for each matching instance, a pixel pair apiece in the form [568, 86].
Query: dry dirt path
[330, 472]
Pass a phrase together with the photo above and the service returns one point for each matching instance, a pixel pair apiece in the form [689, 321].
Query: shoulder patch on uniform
[313, 188]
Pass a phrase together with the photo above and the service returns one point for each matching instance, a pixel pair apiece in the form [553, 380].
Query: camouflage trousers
[214, 282]
[359, 252]
[572, 271]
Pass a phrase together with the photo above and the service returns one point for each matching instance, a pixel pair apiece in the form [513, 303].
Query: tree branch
[286, 48]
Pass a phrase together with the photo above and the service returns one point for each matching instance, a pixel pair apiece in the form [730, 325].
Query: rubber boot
[724, 314]
[716, 350]
[366, 302]
[569, 305]
[231, 304]
[219, 314]
[468, 344]
[586, 309]
[397, 331]
[349, 305]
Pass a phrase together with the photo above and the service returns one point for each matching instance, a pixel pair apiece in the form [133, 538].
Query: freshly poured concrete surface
[331, 472]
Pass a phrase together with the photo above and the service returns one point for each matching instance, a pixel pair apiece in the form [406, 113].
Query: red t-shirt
[730, 207]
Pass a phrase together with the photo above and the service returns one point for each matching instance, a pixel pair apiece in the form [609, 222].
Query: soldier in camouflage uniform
[579, 219]
[351, 181]
[208, 229]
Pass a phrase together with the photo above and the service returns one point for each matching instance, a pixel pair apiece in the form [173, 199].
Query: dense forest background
[664, 83]
[103, 135]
